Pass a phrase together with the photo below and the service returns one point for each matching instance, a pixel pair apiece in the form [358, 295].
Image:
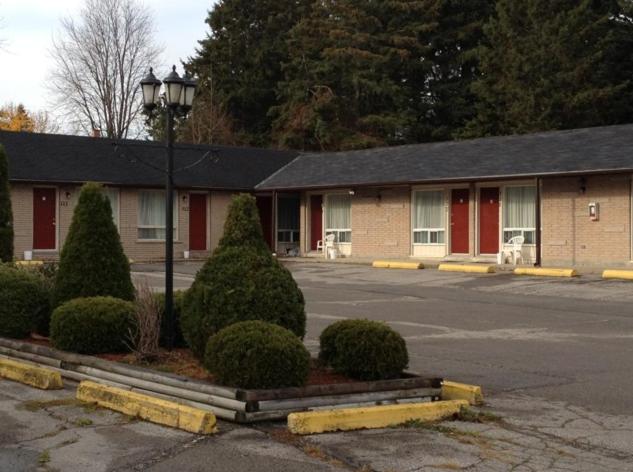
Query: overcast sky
[27, 27]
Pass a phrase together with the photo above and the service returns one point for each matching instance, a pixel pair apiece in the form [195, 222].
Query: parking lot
[554, 357]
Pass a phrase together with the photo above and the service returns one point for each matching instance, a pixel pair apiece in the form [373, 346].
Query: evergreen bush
[92, 262]
[6, 216]
[24, 303]
[256, 354]
[364, 350]
[93, 325]
[241, 281]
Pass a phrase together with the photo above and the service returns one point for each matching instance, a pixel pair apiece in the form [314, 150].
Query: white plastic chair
[319, 246]
[331, 252]
[517, 246]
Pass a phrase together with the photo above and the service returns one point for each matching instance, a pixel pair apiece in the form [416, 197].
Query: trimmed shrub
[256, 354]
[24, 303]
[241, 281]
[179, 340]
[6, 216]
[93, 325]
[92, 262]
[45, 273]
[364, 350]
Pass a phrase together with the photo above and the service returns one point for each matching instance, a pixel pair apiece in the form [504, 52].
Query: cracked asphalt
[554, 356]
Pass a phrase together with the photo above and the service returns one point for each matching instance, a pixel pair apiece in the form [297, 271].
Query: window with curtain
[429, 217]
[519, 213]
[288, 220]
[151, 215]
[112, 195]
[338, 220]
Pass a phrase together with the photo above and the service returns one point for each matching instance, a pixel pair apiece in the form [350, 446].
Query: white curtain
[429, 210]
[151, 214]
[112, 194]
[520, 207]
[337, 212]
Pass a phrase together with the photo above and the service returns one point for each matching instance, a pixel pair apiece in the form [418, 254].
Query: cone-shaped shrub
[6, 216]
[255, 354]
[240, 281]
[92, 262]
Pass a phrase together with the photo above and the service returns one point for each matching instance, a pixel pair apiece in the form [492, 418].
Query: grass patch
[81, 422]
[37, 405]
[44, 457]
[477, 416]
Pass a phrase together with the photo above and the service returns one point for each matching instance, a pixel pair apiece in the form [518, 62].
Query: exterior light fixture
[150, 87]
[173, 88]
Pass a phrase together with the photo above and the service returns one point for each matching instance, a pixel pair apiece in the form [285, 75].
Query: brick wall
[570, 237]
[22, 205]
[381, 222]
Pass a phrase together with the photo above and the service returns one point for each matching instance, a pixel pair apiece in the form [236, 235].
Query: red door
[44, 206]
[489, 220]
[265, 207]
[459, 221]
[197, 222]
[316, 220]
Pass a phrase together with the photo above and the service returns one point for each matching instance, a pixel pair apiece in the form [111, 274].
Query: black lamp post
[178, 99]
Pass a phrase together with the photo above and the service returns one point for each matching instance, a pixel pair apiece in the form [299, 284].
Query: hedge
[24, 303]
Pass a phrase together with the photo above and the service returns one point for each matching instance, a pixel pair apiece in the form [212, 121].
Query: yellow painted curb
[545, 272]
[346, 419]
[29, 263]
[148, 408]
[458, 391]
[28, 374]
[472, 268]
[618, 274]
[397, 265]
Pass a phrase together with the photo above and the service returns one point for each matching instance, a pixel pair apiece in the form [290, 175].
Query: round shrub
[24, 303]
[364, 350]
[256, 354]
[93, 325]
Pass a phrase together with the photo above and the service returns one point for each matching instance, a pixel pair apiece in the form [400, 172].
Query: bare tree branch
[99, 61]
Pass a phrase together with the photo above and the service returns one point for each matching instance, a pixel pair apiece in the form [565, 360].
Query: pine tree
[6, 215]
[92, 261]
[553, 65]
[242, 56]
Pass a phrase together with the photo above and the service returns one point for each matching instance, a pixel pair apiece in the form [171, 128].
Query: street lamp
[178, 100]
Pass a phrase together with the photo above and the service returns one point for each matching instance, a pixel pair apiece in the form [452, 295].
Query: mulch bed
[181, 361]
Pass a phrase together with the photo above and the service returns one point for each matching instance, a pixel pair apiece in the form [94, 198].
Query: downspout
[538, 222]
[273, 226]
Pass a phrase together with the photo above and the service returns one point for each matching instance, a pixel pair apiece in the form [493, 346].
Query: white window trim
[337, 230]
[429, 230]
[175, 219]
[291, 232]
[503, 222]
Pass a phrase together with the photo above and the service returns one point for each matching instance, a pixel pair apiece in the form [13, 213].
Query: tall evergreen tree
[6, 215]
[553, 64]
[92, 262]
[345, 84]
[241, 58]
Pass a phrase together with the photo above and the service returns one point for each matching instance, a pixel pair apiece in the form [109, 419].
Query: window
[338, 219]
[288, 220]
[428, 217]
[151, 215]
[519, 214]
[112, 195]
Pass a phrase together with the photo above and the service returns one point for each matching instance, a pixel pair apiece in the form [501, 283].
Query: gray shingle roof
[600, 149]
[62, 159]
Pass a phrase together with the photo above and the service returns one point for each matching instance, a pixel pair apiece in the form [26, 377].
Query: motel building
[566, 193]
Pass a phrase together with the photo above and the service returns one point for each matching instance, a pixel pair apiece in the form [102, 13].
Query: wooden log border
[238, 405]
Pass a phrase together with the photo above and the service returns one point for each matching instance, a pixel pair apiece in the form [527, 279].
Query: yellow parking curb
[458, 391]
[618, 274]
[28, 374]
[29, 263]
[346, 419]
[472, 268]
[168, 413]
[545, 272]
[397, 265]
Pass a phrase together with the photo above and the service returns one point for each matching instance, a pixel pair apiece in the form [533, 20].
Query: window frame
[430, 230]
[175, 218]
[516, 231]
[337, 231]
